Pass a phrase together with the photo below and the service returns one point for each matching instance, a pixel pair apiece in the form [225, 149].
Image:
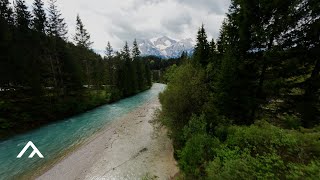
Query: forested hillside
[246, 106]
[44, 77]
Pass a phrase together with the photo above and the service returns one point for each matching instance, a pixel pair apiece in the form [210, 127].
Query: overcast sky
[123, 20]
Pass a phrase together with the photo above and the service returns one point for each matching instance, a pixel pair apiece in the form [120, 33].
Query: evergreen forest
[44, 77]
[246, 105]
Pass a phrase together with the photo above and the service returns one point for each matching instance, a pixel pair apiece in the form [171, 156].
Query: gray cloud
[176, 24]
[118, 21]
[218, 7]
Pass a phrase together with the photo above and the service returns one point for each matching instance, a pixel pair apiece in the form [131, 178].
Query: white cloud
[123, 20]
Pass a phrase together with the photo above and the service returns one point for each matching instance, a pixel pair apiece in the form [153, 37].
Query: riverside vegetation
[44, 77]
[246, 106]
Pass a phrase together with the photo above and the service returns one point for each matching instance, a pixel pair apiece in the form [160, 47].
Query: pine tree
[56, 25]
[126, 52]
[21, 44]
[82, 37]
[110, 65]
[213, 48]
[109, 51]
[135, 50]
[39, 16]
[135, 67]
[82, 40]
[57, 30]
[202, 50]
[129, 80]
[214, 59]
[22, 15]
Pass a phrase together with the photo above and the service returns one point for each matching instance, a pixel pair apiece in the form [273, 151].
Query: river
[55, 139]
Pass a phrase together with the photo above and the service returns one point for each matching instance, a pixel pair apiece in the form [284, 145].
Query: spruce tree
[135, 67]
[21, 44]
[56, 24]
[135, 50]
[22, 15]
[109, 51]
[213, 48]
[57, 30]
[126, 52]
[129, 83]
[138, 67]
[82, 37]
[202, 50]
[39, 17]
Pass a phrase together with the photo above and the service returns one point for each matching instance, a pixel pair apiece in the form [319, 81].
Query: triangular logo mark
[35, 150]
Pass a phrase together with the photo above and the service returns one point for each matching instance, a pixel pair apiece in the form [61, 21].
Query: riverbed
[59, 141]
[132, 147]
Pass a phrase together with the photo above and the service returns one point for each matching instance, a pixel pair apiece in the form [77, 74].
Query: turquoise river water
[55, 139]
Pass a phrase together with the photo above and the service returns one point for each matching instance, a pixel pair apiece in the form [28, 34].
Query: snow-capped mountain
[165, 47]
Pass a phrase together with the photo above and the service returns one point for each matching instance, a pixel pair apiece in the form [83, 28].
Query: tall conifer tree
[82, 37]
[22, 15]
[135, 50]
[56, 24]
[39, 16]
[109, 50]
[202, 49]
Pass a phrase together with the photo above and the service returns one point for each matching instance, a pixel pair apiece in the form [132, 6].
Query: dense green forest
[246, 106]
[44, 77]
[159, 66]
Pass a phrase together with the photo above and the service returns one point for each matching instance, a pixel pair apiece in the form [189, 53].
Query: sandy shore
[129, 148]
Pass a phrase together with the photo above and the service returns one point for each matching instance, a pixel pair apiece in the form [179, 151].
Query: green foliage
[182, 98]
[265, 138]
[56, 24]
[198, 149]
[231, 164]
[263, 151]
[265, 66]
[39, 20]
[291, 121]
[82, 37]
[23, 16]
[184, 94]
[260, 151]
[44, 78]
[202, 49]
[170, 73]
[196, 125]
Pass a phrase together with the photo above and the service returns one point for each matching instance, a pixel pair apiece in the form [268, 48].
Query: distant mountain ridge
[165, 47]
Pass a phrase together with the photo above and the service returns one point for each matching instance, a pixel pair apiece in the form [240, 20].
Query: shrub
[197, 151]
[231, 164]
[264, 151]
[291, 121]
[197, 125]
[184, 95]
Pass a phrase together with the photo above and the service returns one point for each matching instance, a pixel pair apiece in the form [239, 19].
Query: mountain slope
[165, 47]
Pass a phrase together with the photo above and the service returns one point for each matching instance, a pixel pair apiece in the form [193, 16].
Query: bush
[291, 121]
[263, 138]
[264, 151]
[197, 125]
[231, 164]
[184, 96]
[197, 151]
